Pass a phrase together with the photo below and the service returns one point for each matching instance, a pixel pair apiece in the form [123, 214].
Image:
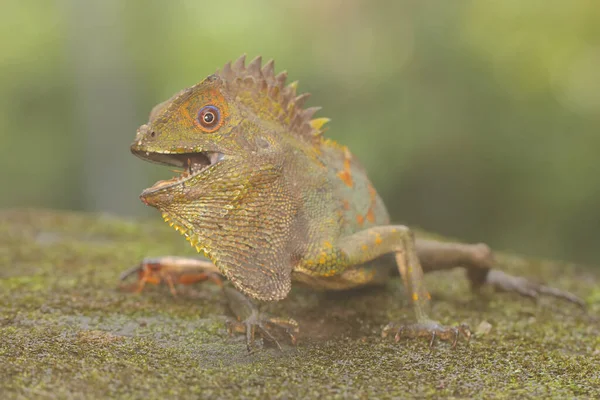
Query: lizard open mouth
[192, 164]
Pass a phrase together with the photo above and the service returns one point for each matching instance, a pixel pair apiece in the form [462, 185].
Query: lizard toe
[270, 328]
[508, 283]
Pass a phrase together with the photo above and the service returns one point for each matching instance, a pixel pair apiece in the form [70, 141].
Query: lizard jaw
[193, 164]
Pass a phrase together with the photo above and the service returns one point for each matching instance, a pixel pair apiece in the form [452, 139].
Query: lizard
[268, 200]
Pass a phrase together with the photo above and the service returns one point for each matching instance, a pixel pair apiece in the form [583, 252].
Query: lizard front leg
[249, 320]
[371, 243]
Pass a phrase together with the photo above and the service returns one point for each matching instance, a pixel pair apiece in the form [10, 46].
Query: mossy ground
[66, 331]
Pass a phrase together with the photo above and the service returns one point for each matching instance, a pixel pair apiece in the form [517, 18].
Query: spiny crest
[283, 102]
[189, 234]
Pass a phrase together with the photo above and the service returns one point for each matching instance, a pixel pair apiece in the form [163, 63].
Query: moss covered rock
[67, 331]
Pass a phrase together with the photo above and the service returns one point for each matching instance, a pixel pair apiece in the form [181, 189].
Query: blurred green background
[476, 119]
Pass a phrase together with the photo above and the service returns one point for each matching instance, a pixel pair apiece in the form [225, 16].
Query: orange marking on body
[328, 245]
[370, 215]
[360, 219]
[330, 273]
[346, 204]
[346, 177]
[365, 248]
[372, 191]
[346, 174]
[415, 296]
[378, 239]
[372, 195]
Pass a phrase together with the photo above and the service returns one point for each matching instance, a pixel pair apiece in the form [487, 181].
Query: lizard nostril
[146, 130]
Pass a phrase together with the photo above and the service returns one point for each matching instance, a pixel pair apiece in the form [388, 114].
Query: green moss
[67, 331]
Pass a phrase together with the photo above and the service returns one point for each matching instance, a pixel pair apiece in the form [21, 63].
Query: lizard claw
[429, 329]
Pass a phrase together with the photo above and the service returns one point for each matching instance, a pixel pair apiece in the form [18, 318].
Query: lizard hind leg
[502, 281]
[479, 263]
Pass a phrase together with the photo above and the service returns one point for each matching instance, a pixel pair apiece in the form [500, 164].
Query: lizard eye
[209, 118]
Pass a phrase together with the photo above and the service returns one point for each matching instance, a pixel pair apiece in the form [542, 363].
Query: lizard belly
[373, 273]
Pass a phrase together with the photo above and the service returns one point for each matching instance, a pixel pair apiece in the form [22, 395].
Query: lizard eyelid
[209, 118]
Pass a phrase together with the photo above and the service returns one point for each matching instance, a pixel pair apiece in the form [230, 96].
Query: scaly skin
[279, 202]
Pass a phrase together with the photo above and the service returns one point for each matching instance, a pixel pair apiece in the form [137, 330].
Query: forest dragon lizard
[270, 201]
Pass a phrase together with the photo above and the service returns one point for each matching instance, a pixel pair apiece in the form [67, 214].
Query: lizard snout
[144, 131]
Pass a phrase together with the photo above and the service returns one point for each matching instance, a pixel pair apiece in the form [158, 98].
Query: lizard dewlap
[270, 201]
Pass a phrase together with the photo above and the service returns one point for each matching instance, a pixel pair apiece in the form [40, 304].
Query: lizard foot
[267, 326]
[508, 283]
[171, 270]
[250, 320]
[427, 328]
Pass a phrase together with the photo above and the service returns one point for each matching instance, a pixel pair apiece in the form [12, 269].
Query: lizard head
[229, 134]
[237, 115]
